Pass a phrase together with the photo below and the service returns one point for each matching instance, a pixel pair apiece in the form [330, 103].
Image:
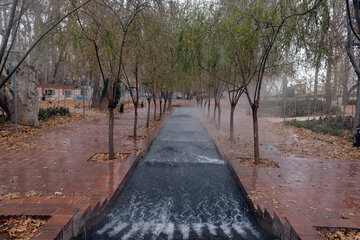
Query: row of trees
[204, 50]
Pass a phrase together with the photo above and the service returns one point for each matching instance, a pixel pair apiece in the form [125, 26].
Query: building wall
[61, 92]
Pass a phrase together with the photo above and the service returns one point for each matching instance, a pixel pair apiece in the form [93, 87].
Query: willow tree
[106, 26]
[263, 26]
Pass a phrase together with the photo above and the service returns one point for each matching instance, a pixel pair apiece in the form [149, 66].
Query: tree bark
[214, 114]
[135, 120]
[165, 102]
[148, 113]
[154, 99]
[96, 101]
[285, 82]
[357, 112]
[219, 116]
[232, 110]
[256, 135]
[111, 133]
[209, 105]
[328, 94]
[160, 108]
[316, 81]
[345, 97]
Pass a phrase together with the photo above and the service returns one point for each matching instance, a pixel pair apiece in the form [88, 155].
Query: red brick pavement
[305, 193]
[59, 163]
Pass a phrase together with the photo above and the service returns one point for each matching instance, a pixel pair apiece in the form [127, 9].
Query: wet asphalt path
[181, 190]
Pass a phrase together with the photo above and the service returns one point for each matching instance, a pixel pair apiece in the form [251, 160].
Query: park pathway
[181, 190]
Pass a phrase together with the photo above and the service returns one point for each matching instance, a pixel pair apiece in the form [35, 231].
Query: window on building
[83, 93]
[68, 93]
[49, 92]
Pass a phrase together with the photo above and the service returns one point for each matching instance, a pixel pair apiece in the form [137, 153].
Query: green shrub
[46, 113]
[336, 126]
[296, 107]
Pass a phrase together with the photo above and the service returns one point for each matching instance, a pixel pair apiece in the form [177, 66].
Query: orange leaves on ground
[130, 138]
[19, 227]
[264, 163]
[104, 157]
[339, 233]
[256, 194]
[9, 141]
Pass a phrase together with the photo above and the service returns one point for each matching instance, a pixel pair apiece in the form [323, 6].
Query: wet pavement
[304, 193]
[54, 178]
[181, 190]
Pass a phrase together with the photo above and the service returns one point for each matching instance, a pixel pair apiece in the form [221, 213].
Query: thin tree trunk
[111, 133]
[154, 108]
[256, 136]
[316, 82]
[148, 113]
[209, 105]
[219, 116]
[214, 115]
[165, 102]
[169, 105]
[357, 112]
[136, 99]
[345, 97]
[135, 120]
[285, 81]
[232, 110]
[160, 108]
[328, 94]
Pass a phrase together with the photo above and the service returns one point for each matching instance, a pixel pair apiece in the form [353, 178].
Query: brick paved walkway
[59, 164]
[303, 193]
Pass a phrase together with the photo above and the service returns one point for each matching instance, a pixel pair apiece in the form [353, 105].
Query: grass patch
[296, 107]
[340, 126]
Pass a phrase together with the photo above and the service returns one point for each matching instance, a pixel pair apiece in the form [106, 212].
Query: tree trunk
[111, 133]
[219, 116]
[357, 113]
[214, 115]
[148, 113]
[256, 135]
[316, 82]
[160, 108]
[136, 119]
[285, 82]
[96, 101]
[165, 102]
[328, 93]
[232, 110]
[169, 105]
[345, 97]
[209, 106]
[154, 108]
